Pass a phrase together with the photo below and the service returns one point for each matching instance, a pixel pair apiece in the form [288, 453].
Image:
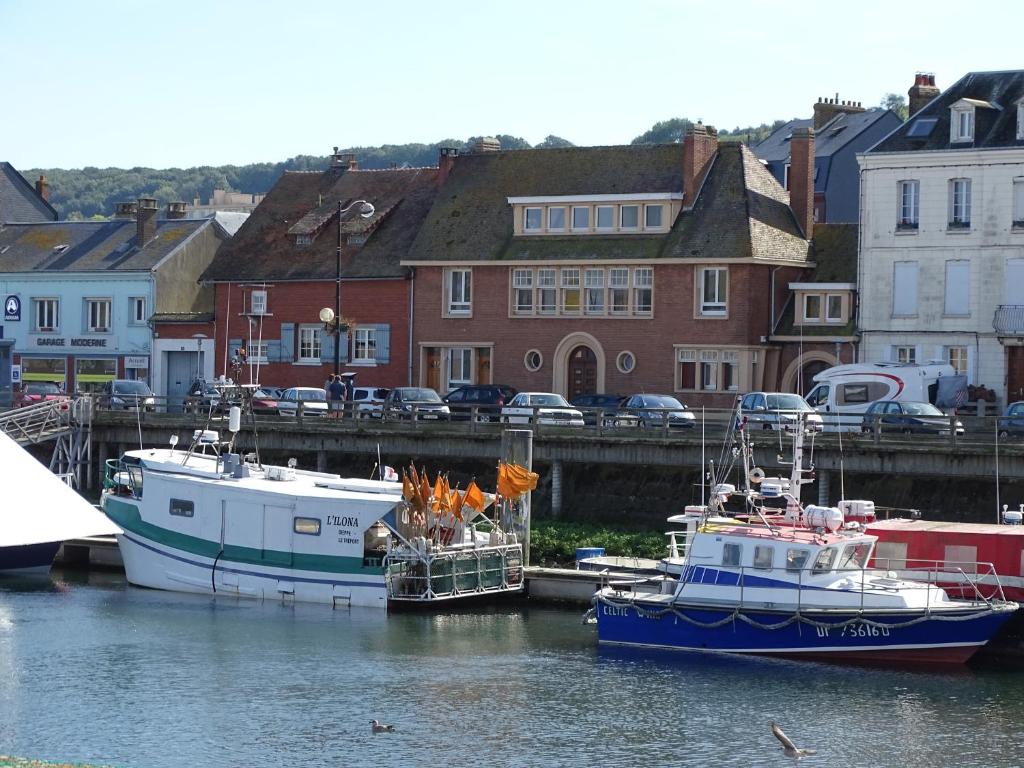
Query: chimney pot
[177, 209]
[146, 220]
[921, 92]
[125, 210]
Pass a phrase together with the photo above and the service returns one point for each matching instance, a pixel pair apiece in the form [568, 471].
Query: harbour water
[92, 670]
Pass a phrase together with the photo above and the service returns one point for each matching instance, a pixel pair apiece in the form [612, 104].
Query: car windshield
[132, 388]
[921, 409]
[785, 402]
[420, 395]
[42, 389]
[311, 394]
[662, 401]
[555, 400]
[266, 394]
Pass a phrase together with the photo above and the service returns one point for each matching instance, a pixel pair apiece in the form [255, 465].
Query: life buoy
[756, 475]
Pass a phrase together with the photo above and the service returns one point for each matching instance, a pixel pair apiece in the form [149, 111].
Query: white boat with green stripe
[211, 523]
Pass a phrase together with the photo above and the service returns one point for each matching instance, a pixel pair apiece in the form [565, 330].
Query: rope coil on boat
[796, 617]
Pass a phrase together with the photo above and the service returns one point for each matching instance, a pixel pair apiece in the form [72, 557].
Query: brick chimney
[699, 147]
[445, 163]
[801, 179]
[826, 109]
[921, 92]
[177, 209]
[43, 188]
[486, 144]
[126, 210]
[146, 220]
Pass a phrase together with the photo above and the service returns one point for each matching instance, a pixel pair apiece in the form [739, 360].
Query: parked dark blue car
[908, 418]
[1011, 423]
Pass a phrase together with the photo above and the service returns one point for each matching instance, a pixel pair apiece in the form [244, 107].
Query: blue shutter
[327, 347]
[233, 346]
[273, 351]
[383, 343]
[287, 347]
[346, 346]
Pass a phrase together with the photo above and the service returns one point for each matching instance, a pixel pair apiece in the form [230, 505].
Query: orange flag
[474, 497]
[435, 503]
[446, 495]
[514, 480]
[425, 489]
[408, 490]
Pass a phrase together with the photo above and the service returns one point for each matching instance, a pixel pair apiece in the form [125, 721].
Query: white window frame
[309, 350]
[622, 218]
[594, 300]
[138, 308]
[909, 204]
[257, 352]
[598, 210]
[959, 203]
[785, 177]
[45, 305]
[459, 292]
[956, 354]
[961, 125]
[643, 290]
[585, 210]
[719, 305]
[829, 317]
[816, 317]
[460, 366]
[522, 291]
[686, 357]
[569, 282]
[618, 290]
[1018, 202]
[904, 353]
[552, 227]
[97, 310]
[648, 210]
[364, 344]
[258, 303]
[547, 291]
[707, 370]
[730, 363]
[526, 219]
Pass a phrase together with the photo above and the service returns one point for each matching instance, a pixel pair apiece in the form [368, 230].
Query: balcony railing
[1009, 320]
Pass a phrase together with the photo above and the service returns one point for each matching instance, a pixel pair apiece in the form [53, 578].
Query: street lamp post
[331, 318]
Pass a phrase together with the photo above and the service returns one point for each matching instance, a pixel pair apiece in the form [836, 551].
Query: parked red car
[35, 392]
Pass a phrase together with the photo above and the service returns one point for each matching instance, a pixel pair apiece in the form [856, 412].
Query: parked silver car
[778, 411]
[313, 400]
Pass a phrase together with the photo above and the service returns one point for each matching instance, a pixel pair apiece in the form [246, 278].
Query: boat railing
[961, 581]
[416, 575]
[122, 479]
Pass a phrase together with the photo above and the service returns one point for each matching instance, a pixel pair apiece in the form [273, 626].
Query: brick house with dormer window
[280, 269]
[659, 268]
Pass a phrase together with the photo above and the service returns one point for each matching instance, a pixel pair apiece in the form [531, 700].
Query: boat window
[855, 556]
[763, 556]
[824, 560]
[731, 554]
[796, 559]
[307, 525]
[182, 508]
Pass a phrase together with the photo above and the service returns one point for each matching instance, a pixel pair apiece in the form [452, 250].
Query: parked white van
[844, 392]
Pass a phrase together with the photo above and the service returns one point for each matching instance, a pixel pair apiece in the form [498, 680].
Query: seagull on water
[788, 747]
[378, 727]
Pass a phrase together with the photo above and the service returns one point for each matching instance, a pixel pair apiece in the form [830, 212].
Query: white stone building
[941, 257]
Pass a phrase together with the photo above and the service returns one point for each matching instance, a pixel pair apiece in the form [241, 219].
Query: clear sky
[158, 84]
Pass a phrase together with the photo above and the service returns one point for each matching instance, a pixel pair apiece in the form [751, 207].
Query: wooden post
[517, 448]
[556, 488]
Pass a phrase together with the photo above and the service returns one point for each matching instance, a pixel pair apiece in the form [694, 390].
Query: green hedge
[554, 542]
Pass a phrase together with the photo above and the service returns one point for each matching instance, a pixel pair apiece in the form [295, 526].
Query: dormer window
[532, 219]
[1020, 120]
[303, 240]
[961, 124]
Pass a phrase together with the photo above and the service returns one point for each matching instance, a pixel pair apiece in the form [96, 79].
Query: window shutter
[383, 343]
[287, 342]
[327, 341]
[274, 351]
[904, 302]
[233, 346]
[1014, 281]
[346, 342]
[958, 288]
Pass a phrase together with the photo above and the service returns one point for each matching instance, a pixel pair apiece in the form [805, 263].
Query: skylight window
[922, 127]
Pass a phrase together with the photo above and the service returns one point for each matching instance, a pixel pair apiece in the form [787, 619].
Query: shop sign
[136, 361]
[75, 343]
[12, 309]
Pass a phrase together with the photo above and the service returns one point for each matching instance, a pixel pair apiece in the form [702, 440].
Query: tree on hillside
[665, 132]
[896, 103]
[552, 141]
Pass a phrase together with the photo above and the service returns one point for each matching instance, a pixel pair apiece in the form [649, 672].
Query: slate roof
[742, 211]
[264, 248]
[183, 317]
[90, 246]
[992, 127]
[835, 261]
[19, 201]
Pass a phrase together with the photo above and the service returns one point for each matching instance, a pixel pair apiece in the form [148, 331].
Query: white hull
[150, 564]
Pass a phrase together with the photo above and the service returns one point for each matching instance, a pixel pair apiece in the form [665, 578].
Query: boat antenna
[702, 458]
[842, 477]
[138, 417]
[998, 518]
[380, 467]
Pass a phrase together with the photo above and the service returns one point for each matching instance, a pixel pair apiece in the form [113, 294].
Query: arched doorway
[799, 375]
[582, 371]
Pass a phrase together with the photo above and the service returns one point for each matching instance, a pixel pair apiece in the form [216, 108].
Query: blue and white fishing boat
[210, 521]
[795, 582]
